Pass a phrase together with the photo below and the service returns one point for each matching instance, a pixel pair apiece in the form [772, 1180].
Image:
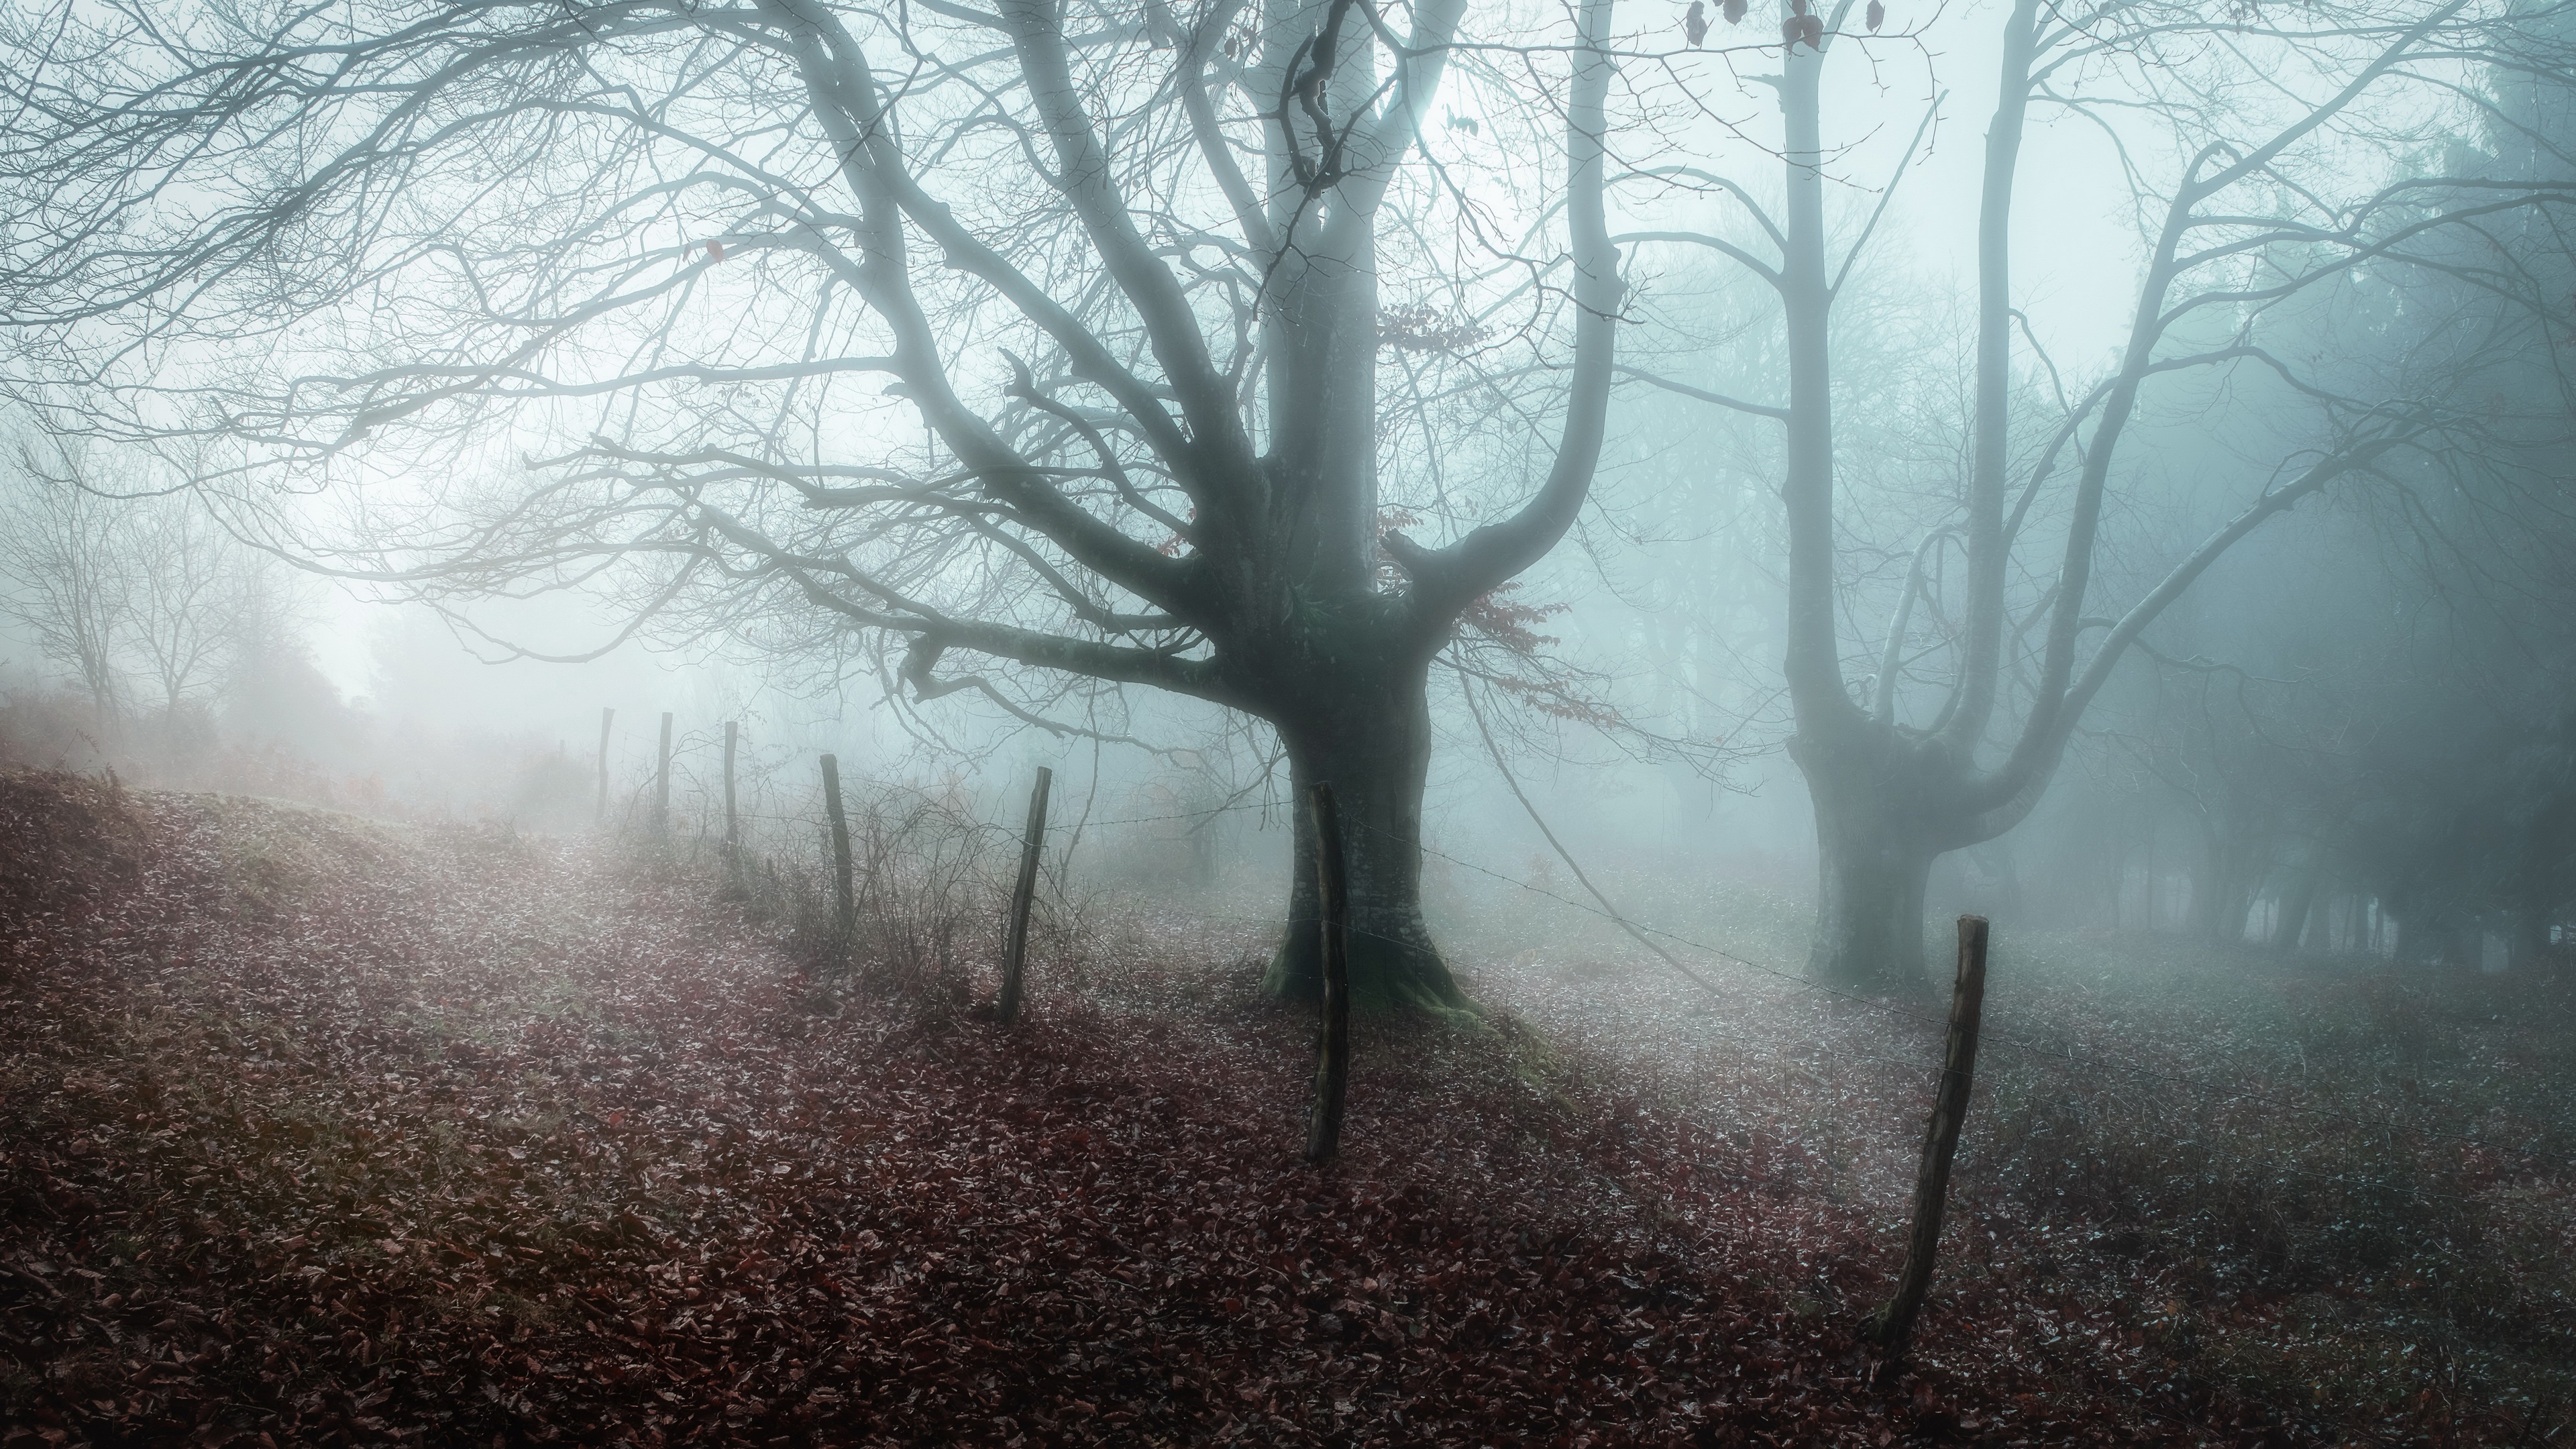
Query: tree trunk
[1372, 744]
[2297, 904]
[2213, 888]
[2428, 938]
[2229, 904]
[2148, 886]
[2119, 872]
[1872, 866]
[2530, 942]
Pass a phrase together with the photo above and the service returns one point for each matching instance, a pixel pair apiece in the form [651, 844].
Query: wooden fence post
[662, 782]
[605, 717]
[1015, 946]
[1894, 1321]
[847, 912]
[1333, 1041]
[733, 832]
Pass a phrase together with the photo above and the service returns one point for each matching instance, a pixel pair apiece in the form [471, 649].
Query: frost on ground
[321, 1131]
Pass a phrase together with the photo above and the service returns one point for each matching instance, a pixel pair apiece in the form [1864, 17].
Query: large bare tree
[1016, 340]
[2267, 154]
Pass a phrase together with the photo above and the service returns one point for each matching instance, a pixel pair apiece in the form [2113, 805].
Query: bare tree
[1048, 335]
[190, 585]
[67, 575]
[1943, 730]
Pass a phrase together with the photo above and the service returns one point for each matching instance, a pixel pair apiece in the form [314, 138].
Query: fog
[904, 642]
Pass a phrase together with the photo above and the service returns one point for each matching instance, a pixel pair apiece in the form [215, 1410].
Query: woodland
[1369, 724]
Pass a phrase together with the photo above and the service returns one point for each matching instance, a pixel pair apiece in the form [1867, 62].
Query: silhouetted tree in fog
[1043, 335]
[2263, 152]
[65, 576]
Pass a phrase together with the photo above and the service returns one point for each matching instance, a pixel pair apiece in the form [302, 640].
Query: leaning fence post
[1015, 946]
[847, 914]
[605, 717]
[733, 833]
[662, 782]
[1891, 1324]
[1332, 934]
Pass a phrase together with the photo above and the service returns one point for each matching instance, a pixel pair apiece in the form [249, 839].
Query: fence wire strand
[2060, 1058]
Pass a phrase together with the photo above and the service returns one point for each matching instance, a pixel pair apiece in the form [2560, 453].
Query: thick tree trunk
[1873, 863]
[2297, 904]
[1372, 744]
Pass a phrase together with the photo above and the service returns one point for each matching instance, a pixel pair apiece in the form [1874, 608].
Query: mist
[813, 722]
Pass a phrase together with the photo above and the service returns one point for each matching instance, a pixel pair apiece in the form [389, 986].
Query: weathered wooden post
[847, 906]
[1891, 1324]
[1015, 946]
[606, 716]
[1333, 1041]
[733, 831]
[662, 782]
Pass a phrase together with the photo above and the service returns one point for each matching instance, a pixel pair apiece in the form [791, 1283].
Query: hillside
[327, 1131]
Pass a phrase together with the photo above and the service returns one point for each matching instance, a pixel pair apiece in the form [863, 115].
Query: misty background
[2352, 734]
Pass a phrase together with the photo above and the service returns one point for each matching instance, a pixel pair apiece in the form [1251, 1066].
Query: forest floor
[325, 1131]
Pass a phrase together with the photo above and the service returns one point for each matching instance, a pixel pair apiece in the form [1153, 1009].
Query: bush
[927, 893]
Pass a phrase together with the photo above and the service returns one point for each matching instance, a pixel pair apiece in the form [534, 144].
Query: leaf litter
[322, 1131]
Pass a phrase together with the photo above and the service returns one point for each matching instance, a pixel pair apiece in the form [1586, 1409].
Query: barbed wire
[2003, 1038]
[1208, 814]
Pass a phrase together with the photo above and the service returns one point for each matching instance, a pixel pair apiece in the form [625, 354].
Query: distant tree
[1051, 336]
[2226, 751]
[67, 574]
[2268, 165]
[191, 587]
[2458, 811]
[141, 596]
[2536, 889]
